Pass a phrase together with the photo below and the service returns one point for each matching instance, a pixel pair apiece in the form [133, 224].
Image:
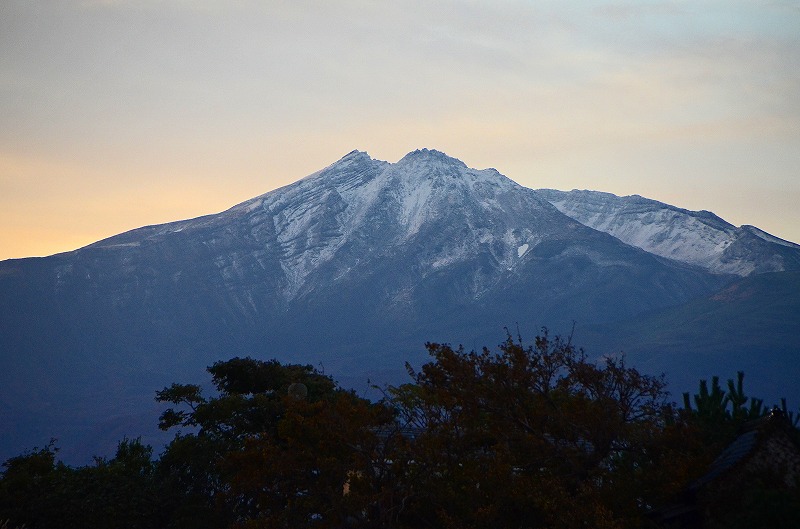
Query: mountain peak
[354, 156]
[430, 157]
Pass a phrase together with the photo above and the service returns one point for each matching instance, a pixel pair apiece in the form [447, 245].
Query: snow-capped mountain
[359, 207]
[353, 267]
[694, 237]
[425, 217]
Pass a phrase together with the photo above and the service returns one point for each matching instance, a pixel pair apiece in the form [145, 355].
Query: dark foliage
[525, 436]
[123, 492]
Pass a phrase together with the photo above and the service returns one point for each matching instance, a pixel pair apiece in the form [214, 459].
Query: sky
[115, 114]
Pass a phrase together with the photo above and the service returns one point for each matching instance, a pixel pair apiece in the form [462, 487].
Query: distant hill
[752, 324]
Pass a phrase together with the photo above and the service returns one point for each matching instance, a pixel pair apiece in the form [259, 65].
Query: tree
[26, 487]
[529, 436]
[532, 436]
[742, 496]
[278, 446]
[123, 492]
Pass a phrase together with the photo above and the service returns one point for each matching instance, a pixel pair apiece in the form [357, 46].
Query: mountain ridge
[354, 266]
[695, 237]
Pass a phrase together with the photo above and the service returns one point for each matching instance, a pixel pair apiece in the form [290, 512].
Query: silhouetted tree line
[525, 436]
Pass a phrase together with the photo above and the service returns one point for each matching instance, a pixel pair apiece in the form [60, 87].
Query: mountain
[694, 237]
[352, 269]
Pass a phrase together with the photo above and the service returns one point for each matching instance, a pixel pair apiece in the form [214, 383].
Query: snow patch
[697, 238]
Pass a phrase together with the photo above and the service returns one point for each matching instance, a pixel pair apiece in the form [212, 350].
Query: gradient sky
[121, 113]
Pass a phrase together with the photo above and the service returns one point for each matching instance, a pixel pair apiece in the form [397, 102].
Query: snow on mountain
[694, 237]
[382, 209]
[371, 205]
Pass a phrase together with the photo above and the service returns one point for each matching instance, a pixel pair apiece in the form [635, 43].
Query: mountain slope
[694, 237]
[353, 267]
[750, 325]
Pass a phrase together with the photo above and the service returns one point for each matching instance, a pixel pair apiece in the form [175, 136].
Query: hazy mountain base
[696, 340]
[751, 325]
